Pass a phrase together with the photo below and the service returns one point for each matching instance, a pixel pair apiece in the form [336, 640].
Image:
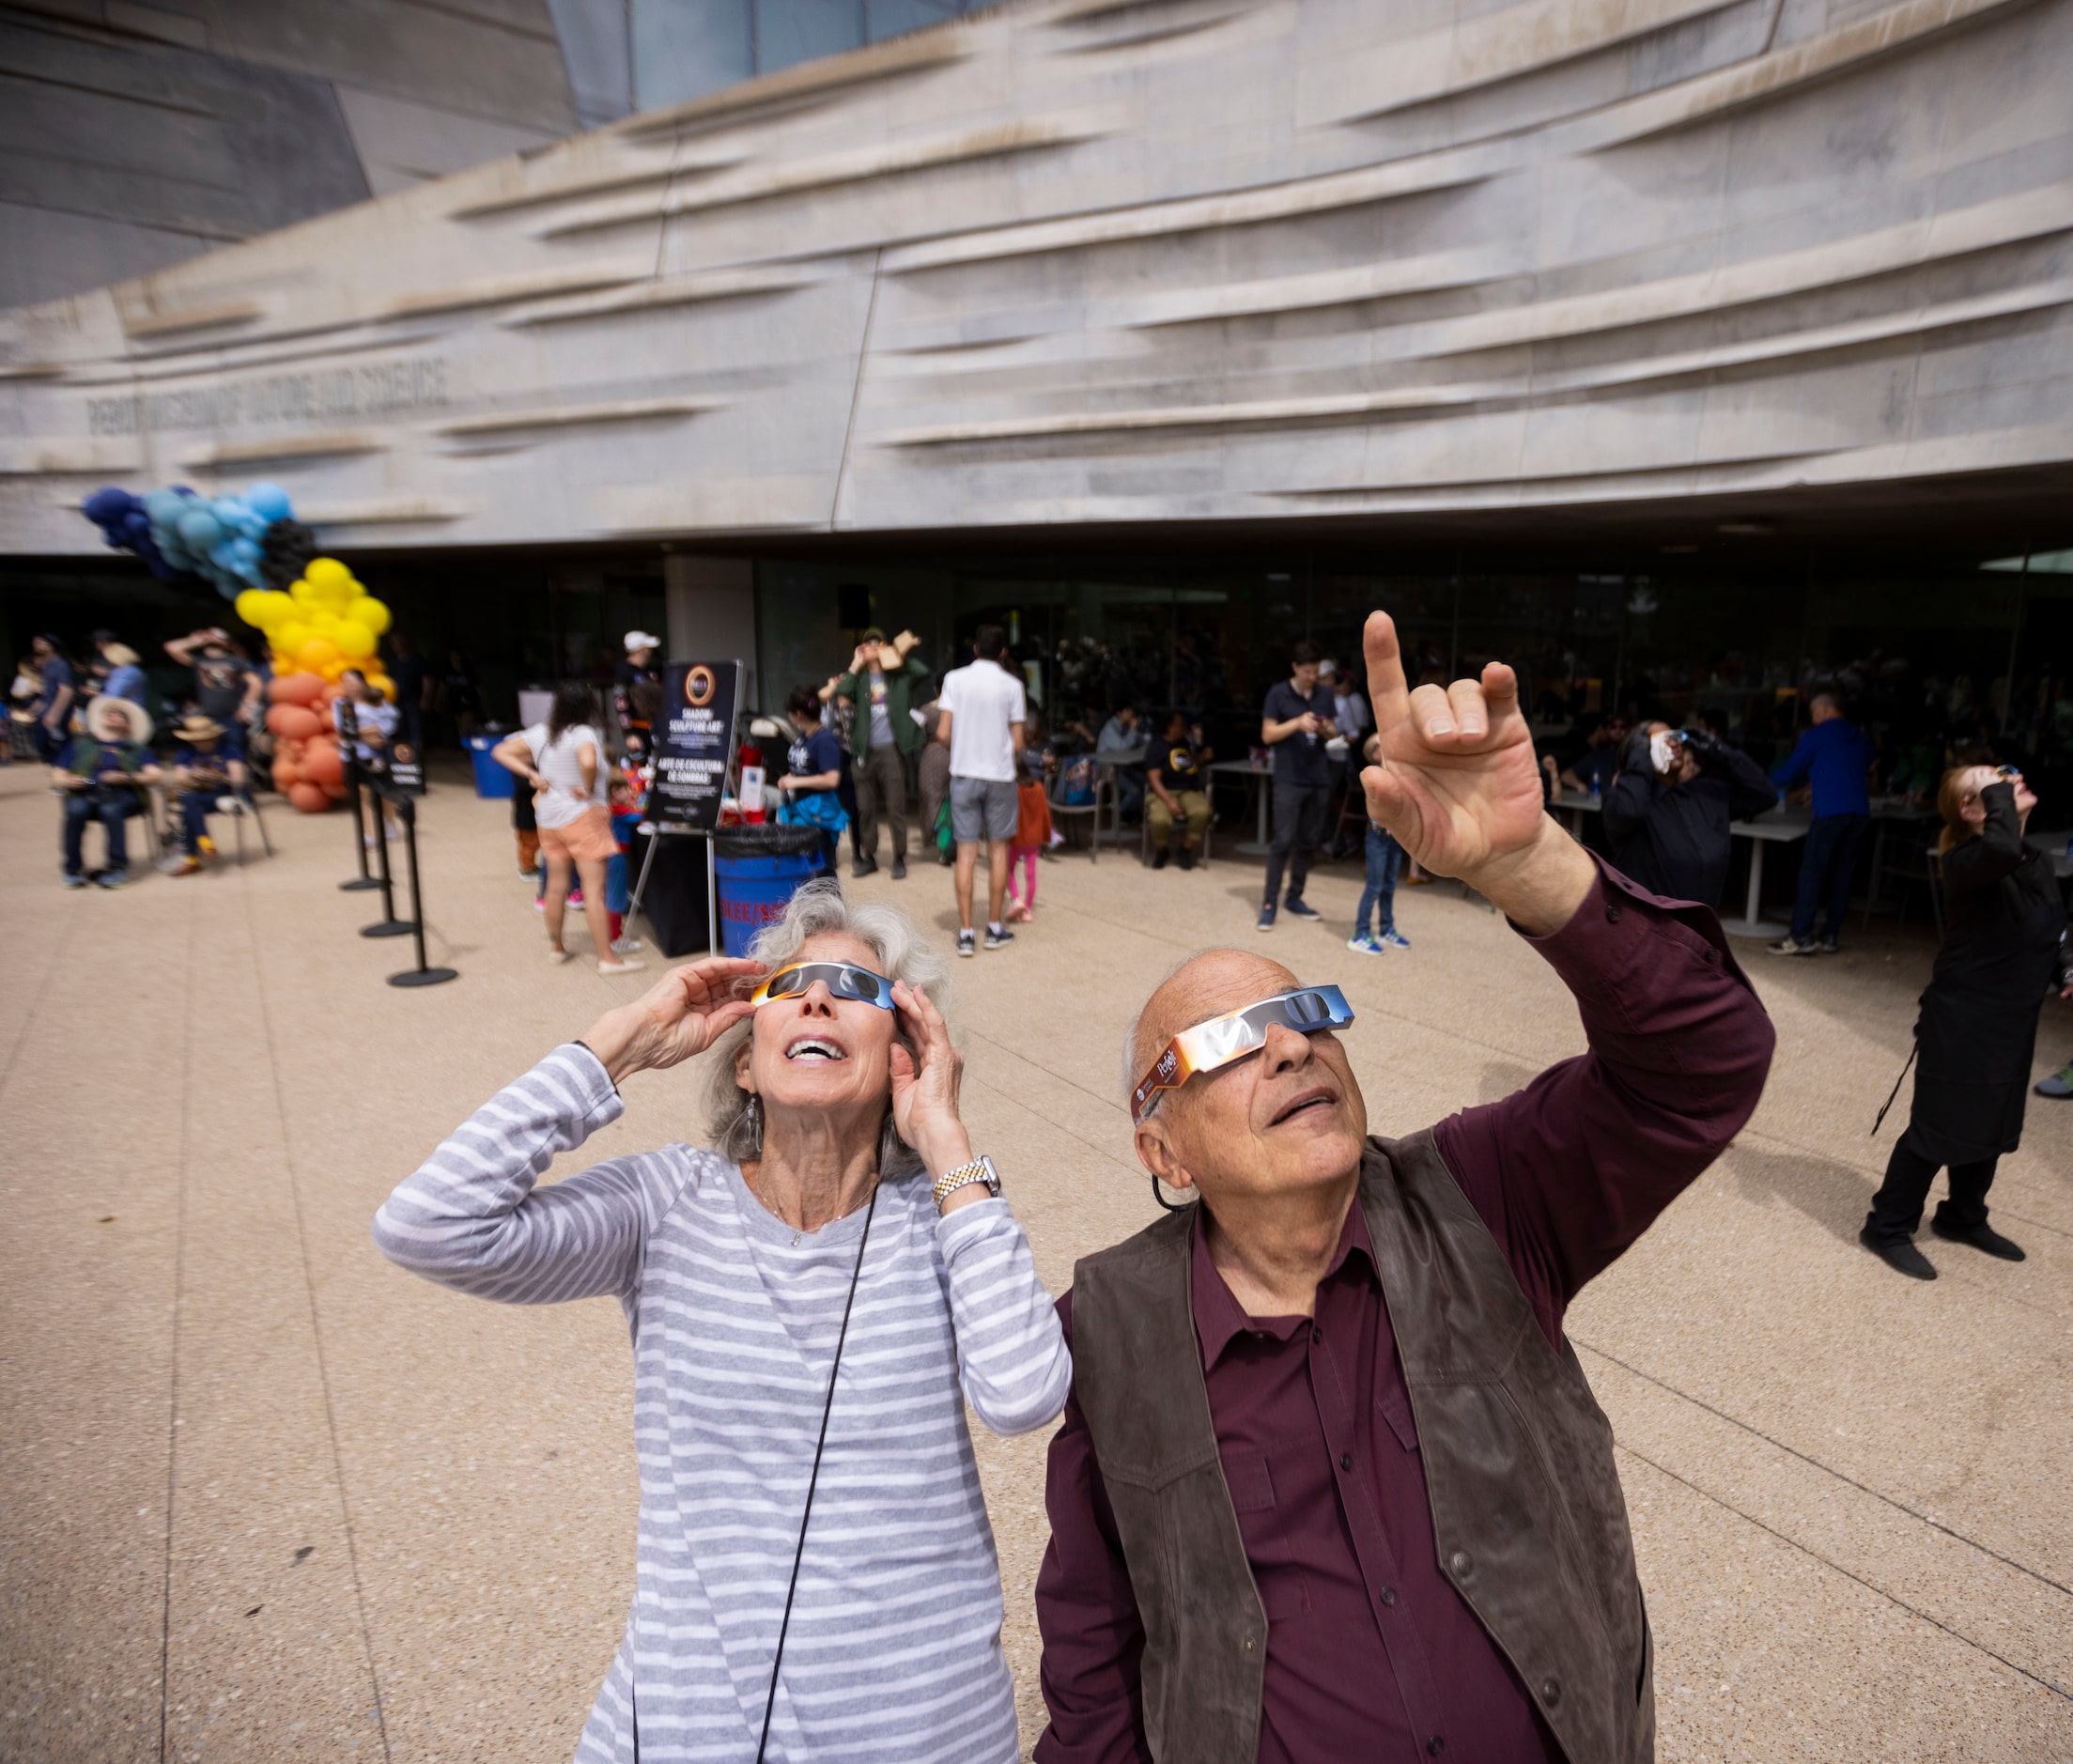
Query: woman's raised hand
[681, 1016]
[924, 1084]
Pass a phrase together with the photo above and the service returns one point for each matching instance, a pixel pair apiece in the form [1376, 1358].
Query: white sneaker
[626, 945]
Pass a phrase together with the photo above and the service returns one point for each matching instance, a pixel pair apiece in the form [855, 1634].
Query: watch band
[981, 1170]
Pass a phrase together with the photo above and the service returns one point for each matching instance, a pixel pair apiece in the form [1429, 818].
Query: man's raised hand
[1459, 788]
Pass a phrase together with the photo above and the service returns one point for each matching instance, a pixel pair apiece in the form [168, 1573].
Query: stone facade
[1069, 262]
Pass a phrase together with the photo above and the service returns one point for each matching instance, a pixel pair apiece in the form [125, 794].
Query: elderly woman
[812, 1302]
[2003, 950]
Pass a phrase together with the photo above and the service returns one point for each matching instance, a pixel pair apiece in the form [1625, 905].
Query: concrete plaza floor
[264, 1497]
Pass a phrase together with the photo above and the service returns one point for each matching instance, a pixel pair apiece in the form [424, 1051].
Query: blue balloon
[269, 502]
[200, 530]
[107, 506]
[164, 507]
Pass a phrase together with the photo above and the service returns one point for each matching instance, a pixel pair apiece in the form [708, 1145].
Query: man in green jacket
[881, 683]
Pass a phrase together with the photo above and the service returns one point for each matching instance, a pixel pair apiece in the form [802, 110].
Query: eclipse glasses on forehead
[844, 979]
[1236, 1034]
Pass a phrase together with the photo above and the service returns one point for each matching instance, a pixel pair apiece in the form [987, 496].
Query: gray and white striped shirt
[894, 1647]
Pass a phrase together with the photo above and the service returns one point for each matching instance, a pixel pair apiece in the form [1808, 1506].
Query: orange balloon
[337, 793]
[295, 723]
[309, 799]
[321, 764]
[285, 776]
[303, 687]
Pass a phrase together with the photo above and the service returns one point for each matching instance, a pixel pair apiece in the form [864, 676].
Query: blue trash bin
[756, 871]
[491, 778]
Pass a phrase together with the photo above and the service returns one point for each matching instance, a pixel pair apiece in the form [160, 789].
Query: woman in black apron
[2002, 953]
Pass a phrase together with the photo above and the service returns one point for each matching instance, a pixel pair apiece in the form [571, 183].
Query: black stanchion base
[389, 928]
[358, 883]
[424, 976]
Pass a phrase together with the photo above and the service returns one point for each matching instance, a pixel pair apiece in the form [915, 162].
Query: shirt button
[1551, 1692]
[1388, 1595]
[1459, 1563]
[1345, 1461]
[1317, 1335]
[1248, 1643]
[1612, 912]
[1436, 1746]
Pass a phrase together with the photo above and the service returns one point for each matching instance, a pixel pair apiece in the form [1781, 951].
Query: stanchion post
[362, 880]
[388, 925]
[421, 975]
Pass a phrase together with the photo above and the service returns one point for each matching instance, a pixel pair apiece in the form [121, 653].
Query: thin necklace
[799, 1232]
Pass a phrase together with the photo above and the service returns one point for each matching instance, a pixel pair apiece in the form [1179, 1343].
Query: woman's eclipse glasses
[844, 979]
[1236, 1035]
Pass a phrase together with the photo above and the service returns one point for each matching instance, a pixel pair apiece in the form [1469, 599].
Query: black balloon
[285, 551]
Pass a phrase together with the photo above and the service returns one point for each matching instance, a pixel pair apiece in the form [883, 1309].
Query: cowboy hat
[97, 719]
[195, 727]
[120, 656]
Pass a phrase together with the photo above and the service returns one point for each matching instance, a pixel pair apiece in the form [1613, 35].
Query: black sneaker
[998, 936]
[1830, 947]
[1187, 857]
[864, 867]
[1902, 1257]
[965, 944]
[899, 869]
[1300, 910]
[1266, 918]
[1159, 858]
[1982, 1237]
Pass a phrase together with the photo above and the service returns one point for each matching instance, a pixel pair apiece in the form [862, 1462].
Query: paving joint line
[317, 1331]
[1956, 1635]
[36, 1001]
[172, 1359]
[1843, 1477]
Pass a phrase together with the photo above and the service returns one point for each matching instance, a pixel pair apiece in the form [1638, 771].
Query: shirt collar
[1219, 1319]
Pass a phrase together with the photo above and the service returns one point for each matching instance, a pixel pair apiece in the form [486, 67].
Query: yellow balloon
[290, 635]
[373, 614]
[318, 653]
[275, 610]
[304, 593]
[323, 571]
[247, 605]
[332, 670]
[354, 640]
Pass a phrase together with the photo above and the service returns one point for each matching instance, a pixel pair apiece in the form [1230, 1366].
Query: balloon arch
[317, 619]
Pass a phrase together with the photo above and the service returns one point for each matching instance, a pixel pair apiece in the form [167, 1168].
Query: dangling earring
[754, 1115]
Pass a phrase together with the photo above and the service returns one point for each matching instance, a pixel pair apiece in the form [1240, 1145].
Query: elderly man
[1332, 1485]
[100, 774]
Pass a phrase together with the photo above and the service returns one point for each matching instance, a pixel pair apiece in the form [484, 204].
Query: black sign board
[405, 770]
[694, 740]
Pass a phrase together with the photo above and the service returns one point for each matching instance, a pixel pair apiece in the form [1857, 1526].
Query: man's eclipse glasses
[844, 979]
[1236, 1035]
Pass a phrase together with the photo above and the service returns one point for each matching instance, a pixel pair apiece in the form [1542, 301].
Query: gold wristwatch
[981, 1170]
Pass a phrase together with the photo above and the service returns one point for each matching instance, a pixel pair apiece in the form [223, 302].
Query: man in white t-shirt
[982, 709]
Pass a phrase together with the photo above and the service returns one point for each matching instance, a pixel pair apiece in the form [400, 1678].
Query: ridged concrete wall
[1210, 259]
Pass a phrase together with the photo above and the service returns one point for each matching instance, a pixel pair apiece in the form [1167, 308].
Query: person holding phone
[2005, 950]
[813, 1301]
[563, 760]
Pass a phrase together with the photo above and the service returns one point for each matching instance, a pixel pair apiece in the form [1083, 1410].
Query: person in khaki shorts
[983, 710]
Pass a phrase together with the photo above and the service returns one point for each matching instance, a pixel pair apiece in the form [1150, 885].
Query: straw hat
[120, 656]
[195, 727]
[97, 719]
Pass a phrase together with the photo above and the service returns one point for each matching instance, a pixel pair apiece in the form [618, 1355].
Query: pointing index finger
[1386, 690]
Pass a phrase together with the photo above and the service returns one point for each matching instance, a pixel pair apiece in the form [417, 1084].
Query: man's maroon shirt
[1372, 1653]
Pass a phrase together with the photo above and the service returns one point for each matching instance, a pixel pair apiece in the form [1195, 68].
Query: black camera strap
[1879, 1119]
[813, 1482]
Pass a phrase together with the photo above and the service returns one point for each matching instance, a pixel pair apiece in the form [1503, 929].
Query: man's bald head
[1203, 986]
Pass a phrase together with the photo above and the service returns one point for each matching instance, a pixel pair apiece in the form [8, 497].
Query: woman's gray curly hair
[818, 909]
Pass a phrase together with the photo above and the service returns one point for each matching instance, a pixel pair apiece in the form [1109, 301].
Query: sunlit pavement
[263, 1497]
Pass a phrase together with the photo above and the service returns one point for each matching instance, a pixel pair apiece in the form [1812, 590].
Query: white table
[1774, 825]
[1576, 804]
[1245, 769]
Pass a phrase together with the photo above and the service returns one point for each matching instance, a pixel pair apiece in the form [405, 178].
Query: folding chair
[1061, 809]
[237, 807]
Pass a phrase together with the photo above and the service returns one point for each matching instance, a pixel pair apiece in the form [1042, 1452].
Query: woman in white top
[563, 760]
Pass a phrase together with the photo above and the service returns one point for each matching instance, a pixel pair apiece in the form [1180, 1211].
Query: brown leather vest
[1527, 1515]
